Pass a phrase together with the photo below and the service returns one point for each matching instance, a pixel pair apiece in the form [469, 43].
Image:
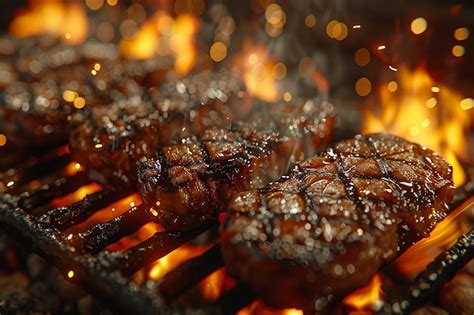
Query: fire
[258, 307]
[256, 66]
[144, 233]
[417, 257]
[79, 194]
[367, 297]
[423, 111]
[113, 210]
[211, 286]
[73, 168]
[67, 20]
[166, 36]
[163, 265]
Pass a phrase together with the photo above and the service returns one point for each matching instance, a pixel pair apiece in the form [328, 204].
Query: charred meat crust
[117, 137]
[327, 226]
[192, 180]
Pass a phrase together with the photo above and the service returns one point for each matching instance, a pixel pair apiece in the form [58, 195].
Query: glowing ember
[417, 257]
[66, 20]
[164, 36]
[256, 66]
[367, 297]
[424, 112]
[73, 168]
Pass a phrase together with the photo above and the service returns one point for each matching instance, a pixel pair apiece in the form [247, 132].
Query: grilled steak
[327, 226]
[192, 180]
[115, 138]
[37, 109]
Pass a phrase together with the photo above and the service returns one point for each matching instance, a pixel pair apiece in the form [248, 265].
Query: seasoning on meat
[327, 226]
[192, 180]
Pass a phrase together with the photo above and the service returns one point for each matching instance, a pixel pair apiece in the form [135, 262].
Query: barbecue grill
[105, 274]
[37, 210]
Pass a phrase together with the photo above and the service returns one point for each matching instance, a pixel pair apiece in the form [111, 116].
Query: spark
[435, 89]
[357, 26]
[393, 68]
[98, 146]
[70, 274]
[69, 237]
[154, 212]
[10, 183]
[381, 47]
[132, 204]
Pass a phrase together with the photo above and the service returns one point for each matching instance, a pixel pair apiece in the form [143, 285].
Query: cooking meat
[192, 180]
[37, 109]
[327, 226]
[116, 137]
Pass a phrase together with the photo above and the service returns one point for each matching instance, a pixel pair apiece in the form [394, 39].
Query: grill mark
[384, 168]
[347, 181]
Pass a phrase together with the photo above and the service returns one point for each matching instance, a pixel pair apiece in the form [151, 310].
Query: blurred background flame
[414, 104]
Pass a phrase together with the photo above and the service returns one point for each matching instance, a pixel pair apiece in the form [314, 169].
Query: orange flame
[258, 307]
[73, 168]
[163, 265]
[256, 66]
[422, 111]
[67, 20]
[212, 285]
[113, 210]
[165, 36]
[417, 257]
[367, 297]
[76, 195]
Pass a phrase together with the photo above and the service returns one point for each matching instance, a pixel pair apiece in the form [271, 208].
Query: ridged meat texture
[327, 226]
[117, 137]
[193, 180]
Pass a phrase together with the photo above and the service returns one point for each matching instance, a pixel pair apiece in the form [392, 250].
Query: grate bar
[62, 186]
[48, 243]
[103, 234]
[190, 273]
[29, 172]
[233, 301]
[65, 217]
[440, 271]
[157, 246]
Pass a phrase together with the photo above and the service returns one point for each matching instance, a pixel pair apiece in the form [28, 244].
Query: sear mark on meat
[117, 137]
[192, 180]
[327, 226]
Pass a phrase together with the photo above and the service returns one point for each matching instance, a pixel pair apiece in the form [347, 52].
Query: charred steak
[192, 180]
[117, 137]
[327, 226]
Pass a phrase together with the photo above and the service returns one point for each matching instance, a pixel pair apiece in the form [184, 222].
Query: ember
[182, 156]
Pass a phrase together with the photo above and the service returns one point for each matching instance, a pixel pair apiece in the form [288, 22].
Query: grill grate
[106, 274]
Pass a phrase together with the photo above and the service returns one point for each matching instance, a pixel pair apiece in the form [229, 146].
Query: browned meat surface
[192, 180]
[327, 226]
[116, 137]
[36, 109]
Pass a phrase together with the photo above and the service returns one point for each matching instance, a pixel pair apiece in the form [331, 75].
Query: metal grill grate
[106, 274]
